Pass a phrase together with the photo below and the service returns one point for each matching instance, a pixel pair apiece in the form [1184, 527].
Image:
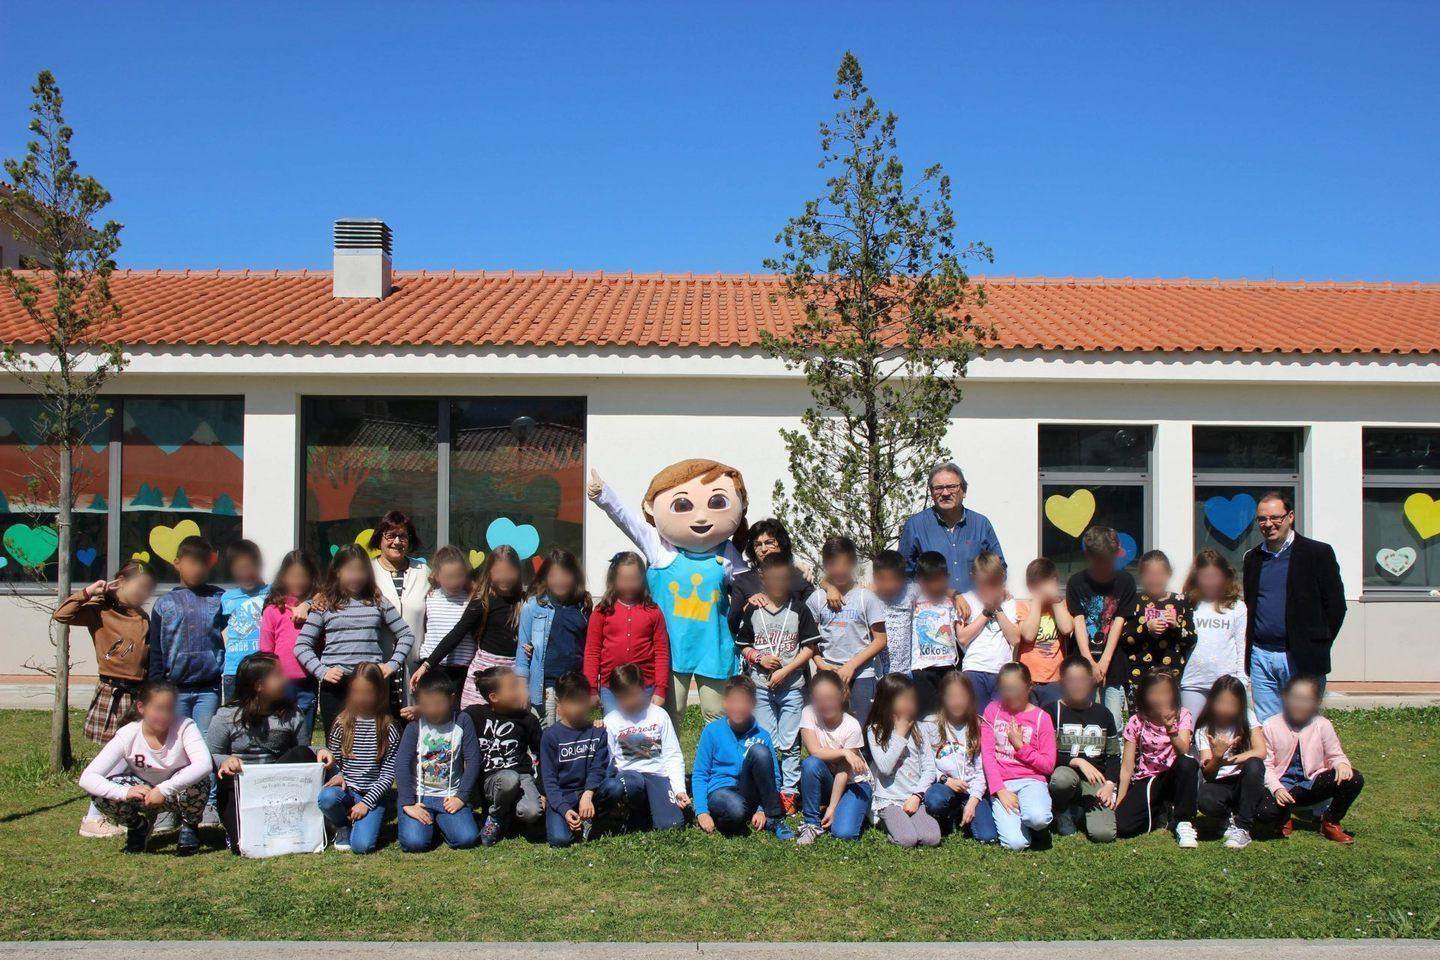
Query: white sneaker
[1237, 839]
[1185, 835]
[98, 828]
[809, 833]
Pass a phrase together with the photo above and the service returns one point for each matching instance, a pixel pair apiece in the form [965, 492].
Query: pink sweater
[1033, 761]
[1317, 742]
[277, 635]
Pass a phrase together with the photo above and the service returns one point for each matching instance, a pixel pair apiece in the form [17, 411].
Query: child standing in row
[552, 629]
[509, 737]
[646, 753]
[957, 799]
[854, 635]
[834, 777]
[444, 606]
[935, 628]
[1157, 767]
[898, 594]
[627, 626]
[1017, 747]
[287, 606]
[574, 764]
[1046, 629]
[363, 740]
[1219, 620]
[1085, 783]
[491, 622]
[1099, 598]
[240, 608]
[902, 763]
[777, 640]
[991, 634]
[436, 767]
[1157, 628]
[736, 780]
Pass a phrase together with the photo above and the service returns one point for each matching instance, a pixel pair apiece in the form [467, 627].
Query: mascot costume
[694, 517]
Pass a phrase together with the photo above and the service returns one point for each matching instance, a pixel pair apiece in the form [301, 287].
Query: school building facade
[295, 408]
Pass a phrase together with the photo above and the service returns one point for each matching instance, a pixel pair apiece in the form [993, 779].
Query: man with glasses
[1295, 602]
[948, 528]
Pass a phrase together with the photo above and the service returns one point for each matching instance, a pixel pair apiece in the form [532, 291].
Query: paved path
[1100, 950]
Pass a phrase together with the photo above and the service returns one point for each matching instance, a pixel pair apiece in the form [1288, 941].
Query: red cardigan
[627, 635]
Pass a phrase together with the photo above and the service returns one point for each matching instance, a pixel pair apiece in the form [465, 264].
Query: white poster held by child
[277, 810]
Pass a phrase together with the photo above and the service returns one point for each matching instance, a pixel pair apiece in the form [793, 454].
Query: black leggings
[1139, 812]
[1239, 795]
[1325, 787]
[225, 794]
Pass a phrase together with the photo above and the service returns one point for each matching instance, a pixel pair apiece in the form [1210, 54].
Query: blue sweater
[719, 757]
[186, 646]
[571, 762]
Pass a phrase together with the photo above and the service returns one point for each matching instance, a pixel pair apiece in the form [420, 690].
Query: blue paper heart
[1231, 518]
[1128, 549]
[4, 562]
[86, 556]
[504, 531]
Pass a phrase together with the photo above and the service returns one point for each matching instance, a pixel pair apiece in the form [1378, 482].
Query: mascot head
[698, 504]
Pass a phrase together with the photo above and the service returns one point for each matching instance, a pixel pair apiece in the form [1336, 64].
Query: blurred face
[559, 581]
[505, 577]
[192, 570]
[1045, 590]
[946, 491]
[297, 582]
[1302, 703]
[452, 577]
[245, 571]
[828, 701]
[1155, 578]
[1014, 691]
[775, 581]
[934, 585]
[632, 700]
[1274, 521]
[574, 710]
[739, 707]
[1078, 684]
[629, 582]
[764, 545]
[698, 516]
[1159, 700]
[905, 707]
[158, 712]
[840, 570]
[395, 547]
[1225, 708]
[957, 701]
[512, 694]
[273, 684]
[1100, 565]
[365, 699]
[889, 583]
[1211, 583]
[354, 577]
[135, 591]
[990, 589]
[434, 707]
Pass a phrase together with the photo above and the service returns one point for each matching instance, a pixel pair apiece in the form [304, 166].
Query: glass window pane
[1071, 510]
[1402, 537]
[29, 494]
[1247, 449]
[1107, 448]
[1225, 518]
[522, 460]
[182, 473]
[1401, 451]
[365, 456]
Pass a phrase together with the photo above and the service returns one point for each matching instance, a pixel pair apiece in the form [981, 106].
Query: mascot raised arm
[694, 519]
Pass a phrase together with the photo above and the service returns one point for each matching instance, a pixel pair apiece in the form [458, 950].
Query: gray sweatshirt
[351, 636]
[901, 768]
[262, 743]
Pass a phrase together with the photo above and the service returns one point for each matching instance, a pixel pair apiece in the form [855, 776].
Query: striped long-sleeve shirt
[442, 612]
[363, 773]
[350, 636]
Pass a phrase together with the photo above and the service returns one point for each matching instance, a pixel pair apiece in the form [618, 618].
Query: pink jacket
[1317, 741]
[1035, 760]
[277, 635]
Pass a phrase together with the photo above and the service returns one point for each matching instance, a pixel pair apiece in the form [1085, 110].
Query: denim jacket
[536, 619]
[186, 645]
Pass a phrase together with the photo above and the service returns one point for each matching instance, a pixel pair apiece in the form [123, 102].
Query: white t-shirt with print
[989, 651]
[845, 735]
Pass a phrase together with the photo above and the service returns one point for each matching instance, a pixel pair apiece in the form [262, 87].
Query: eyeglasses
[945, 488]
[397, 537]
[1272, 521]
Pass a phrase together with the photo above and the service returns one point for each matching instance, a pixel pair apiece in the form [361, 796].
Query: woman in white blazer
[404, 580]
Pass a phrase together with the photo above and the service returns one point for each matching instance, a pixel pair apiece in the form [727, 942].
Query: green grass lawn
[690, 886]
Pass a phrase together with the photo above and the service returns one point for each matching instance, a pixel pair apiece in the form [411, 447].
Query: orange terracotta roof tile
[294, 309]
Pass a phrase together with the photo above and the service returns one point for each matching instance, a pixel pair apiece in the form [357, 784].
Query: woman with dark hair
[766, 537]
[403, 578]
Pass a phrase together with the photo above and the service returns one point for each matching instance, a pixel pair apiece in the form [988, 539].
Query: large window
[1093, 476]
[1235, 467]
[154, 471]
[476, 472]
[1402, 510]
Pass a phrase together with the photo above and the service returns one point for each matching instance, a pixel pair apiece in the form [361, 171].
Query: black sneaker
[137, 836]
[188, 843]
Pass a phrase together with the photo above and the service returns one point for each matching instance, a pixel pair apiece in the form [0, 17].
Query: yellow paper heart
[1071, 514]
[477, 557]
[165, 541]
[142, 555]
[363, 538]
[1423, 512]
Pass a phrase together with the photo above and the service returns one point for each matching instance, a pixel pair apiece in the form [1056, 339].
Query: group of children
[1113, 708]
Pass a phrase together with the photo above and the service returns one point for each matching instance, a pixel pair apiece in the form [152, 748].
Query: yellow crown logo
[693, 607]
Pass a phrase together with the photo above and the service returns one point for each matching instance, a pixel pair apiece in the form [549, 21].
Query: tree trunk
[61, 757]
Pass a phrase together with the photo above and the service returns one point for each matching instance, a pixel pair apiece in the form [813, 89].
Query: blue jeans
[646, 797]
[778, 713]
[335, 804]
[862, 692]
[1044, 695]
[1112, 698]
[947, 806]
[200, 706]
[305, 697]
[1035, 813]
[459, 829]
[816, 782]
[984, 686]
[607, 699]
[732, 807]
[1270, 670]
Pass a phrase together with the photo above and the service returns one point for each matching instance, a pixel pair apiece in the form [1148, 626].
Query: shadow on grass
[21, 815]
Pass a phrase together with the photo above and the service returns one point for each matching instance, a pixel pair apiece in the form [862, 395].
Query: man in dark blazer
[1295, 602]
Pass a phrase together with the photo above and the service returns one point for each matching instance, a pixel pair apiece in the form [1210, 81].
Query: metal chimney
[362, 259]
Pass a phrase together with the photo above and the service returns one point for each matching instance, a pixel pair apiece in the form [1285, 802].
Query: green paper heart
[32, 546]
[334, 549]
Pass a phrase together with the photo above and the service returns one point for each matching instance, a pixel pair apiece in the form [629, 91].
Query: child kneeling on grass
[363, 741]
[436, 769]
[646, 753]
[834, 777]
[1084, 783]
[509, 736]
[957, 799]
[1157, 767]
[157, 763]
[1305, 765]
[737, 776]
[902, 763]
[574, 765]
[1017, 746]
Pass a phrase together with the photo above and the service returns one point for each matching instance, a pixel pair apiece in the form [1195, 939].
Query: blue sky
[1158, 139]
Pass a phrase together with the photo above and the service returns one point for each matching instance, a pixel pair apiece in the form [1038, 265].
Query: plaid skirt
[188, 805]
[483, 661]
[109, 709]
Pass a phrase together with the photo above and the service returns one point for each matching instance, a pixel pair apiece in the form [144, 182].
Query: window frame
[1209, 477]
[1391, 481]
[1126, 477]
[115, 456]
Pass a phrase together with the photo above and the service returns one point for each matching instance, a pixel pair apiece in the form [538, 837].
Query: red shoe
[1288, 827]
[791, 803]
[1331, 830]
